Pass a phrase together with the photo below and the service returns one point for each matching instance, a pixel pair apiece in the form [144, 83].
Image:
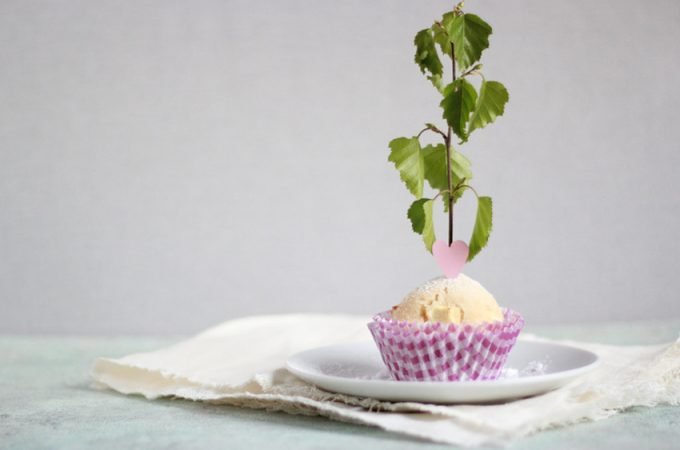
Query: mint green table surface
[46, 401]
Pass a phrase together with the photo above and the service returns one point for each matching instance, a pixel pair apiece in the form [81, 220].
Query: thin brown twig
[448, 153]
[434, 130]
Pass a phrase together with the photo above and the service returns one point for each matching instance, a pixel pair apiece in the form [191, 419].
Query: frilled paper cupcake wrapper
[445, 352]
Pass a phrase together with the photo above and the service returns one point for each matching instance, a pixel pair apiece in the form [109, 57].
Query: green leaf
[441, 34]
[460, 166]
[434, 157]
[470, 37]
[458, 103]
[483, 225]
[427, 57]
[408, 159]
[490, 104]
[435, 170]
[420, 214]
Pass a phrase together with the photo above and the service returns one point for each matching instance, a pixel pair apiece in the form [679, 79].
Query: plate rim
[509, 382]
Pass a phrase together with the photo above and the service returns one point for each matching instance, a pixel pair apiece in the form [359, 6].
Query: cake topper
[450, 258]
[466, 107]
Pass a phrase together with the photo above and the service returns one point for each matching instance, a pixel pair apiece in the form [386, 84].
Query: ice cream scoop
[449, 300]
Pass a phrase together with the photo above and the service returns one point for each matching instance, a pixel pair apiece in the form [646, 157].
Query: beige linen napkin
[241, 363]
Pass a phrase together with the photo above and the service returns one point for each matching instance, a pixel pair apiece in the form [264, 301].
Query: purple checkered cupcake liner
[434, 351]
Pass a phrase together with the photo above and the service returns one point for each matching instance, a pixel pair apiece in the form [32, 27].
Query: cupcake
[448, 329]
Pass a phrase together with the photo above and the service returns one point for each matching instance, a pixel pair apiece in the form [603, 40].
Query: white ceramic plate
[356, 369]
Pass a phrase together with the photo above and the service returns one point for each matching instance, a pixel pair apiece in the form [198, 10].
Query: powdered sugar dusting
[532, 369]
[440, 283]
[359, 372]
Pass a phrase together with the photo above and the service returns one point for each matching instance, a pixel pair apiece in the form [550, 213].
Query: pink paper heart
[450, 259]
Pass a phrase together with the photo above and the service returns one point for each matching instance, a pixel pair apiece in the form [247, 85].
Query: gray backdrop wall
[168, 165]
